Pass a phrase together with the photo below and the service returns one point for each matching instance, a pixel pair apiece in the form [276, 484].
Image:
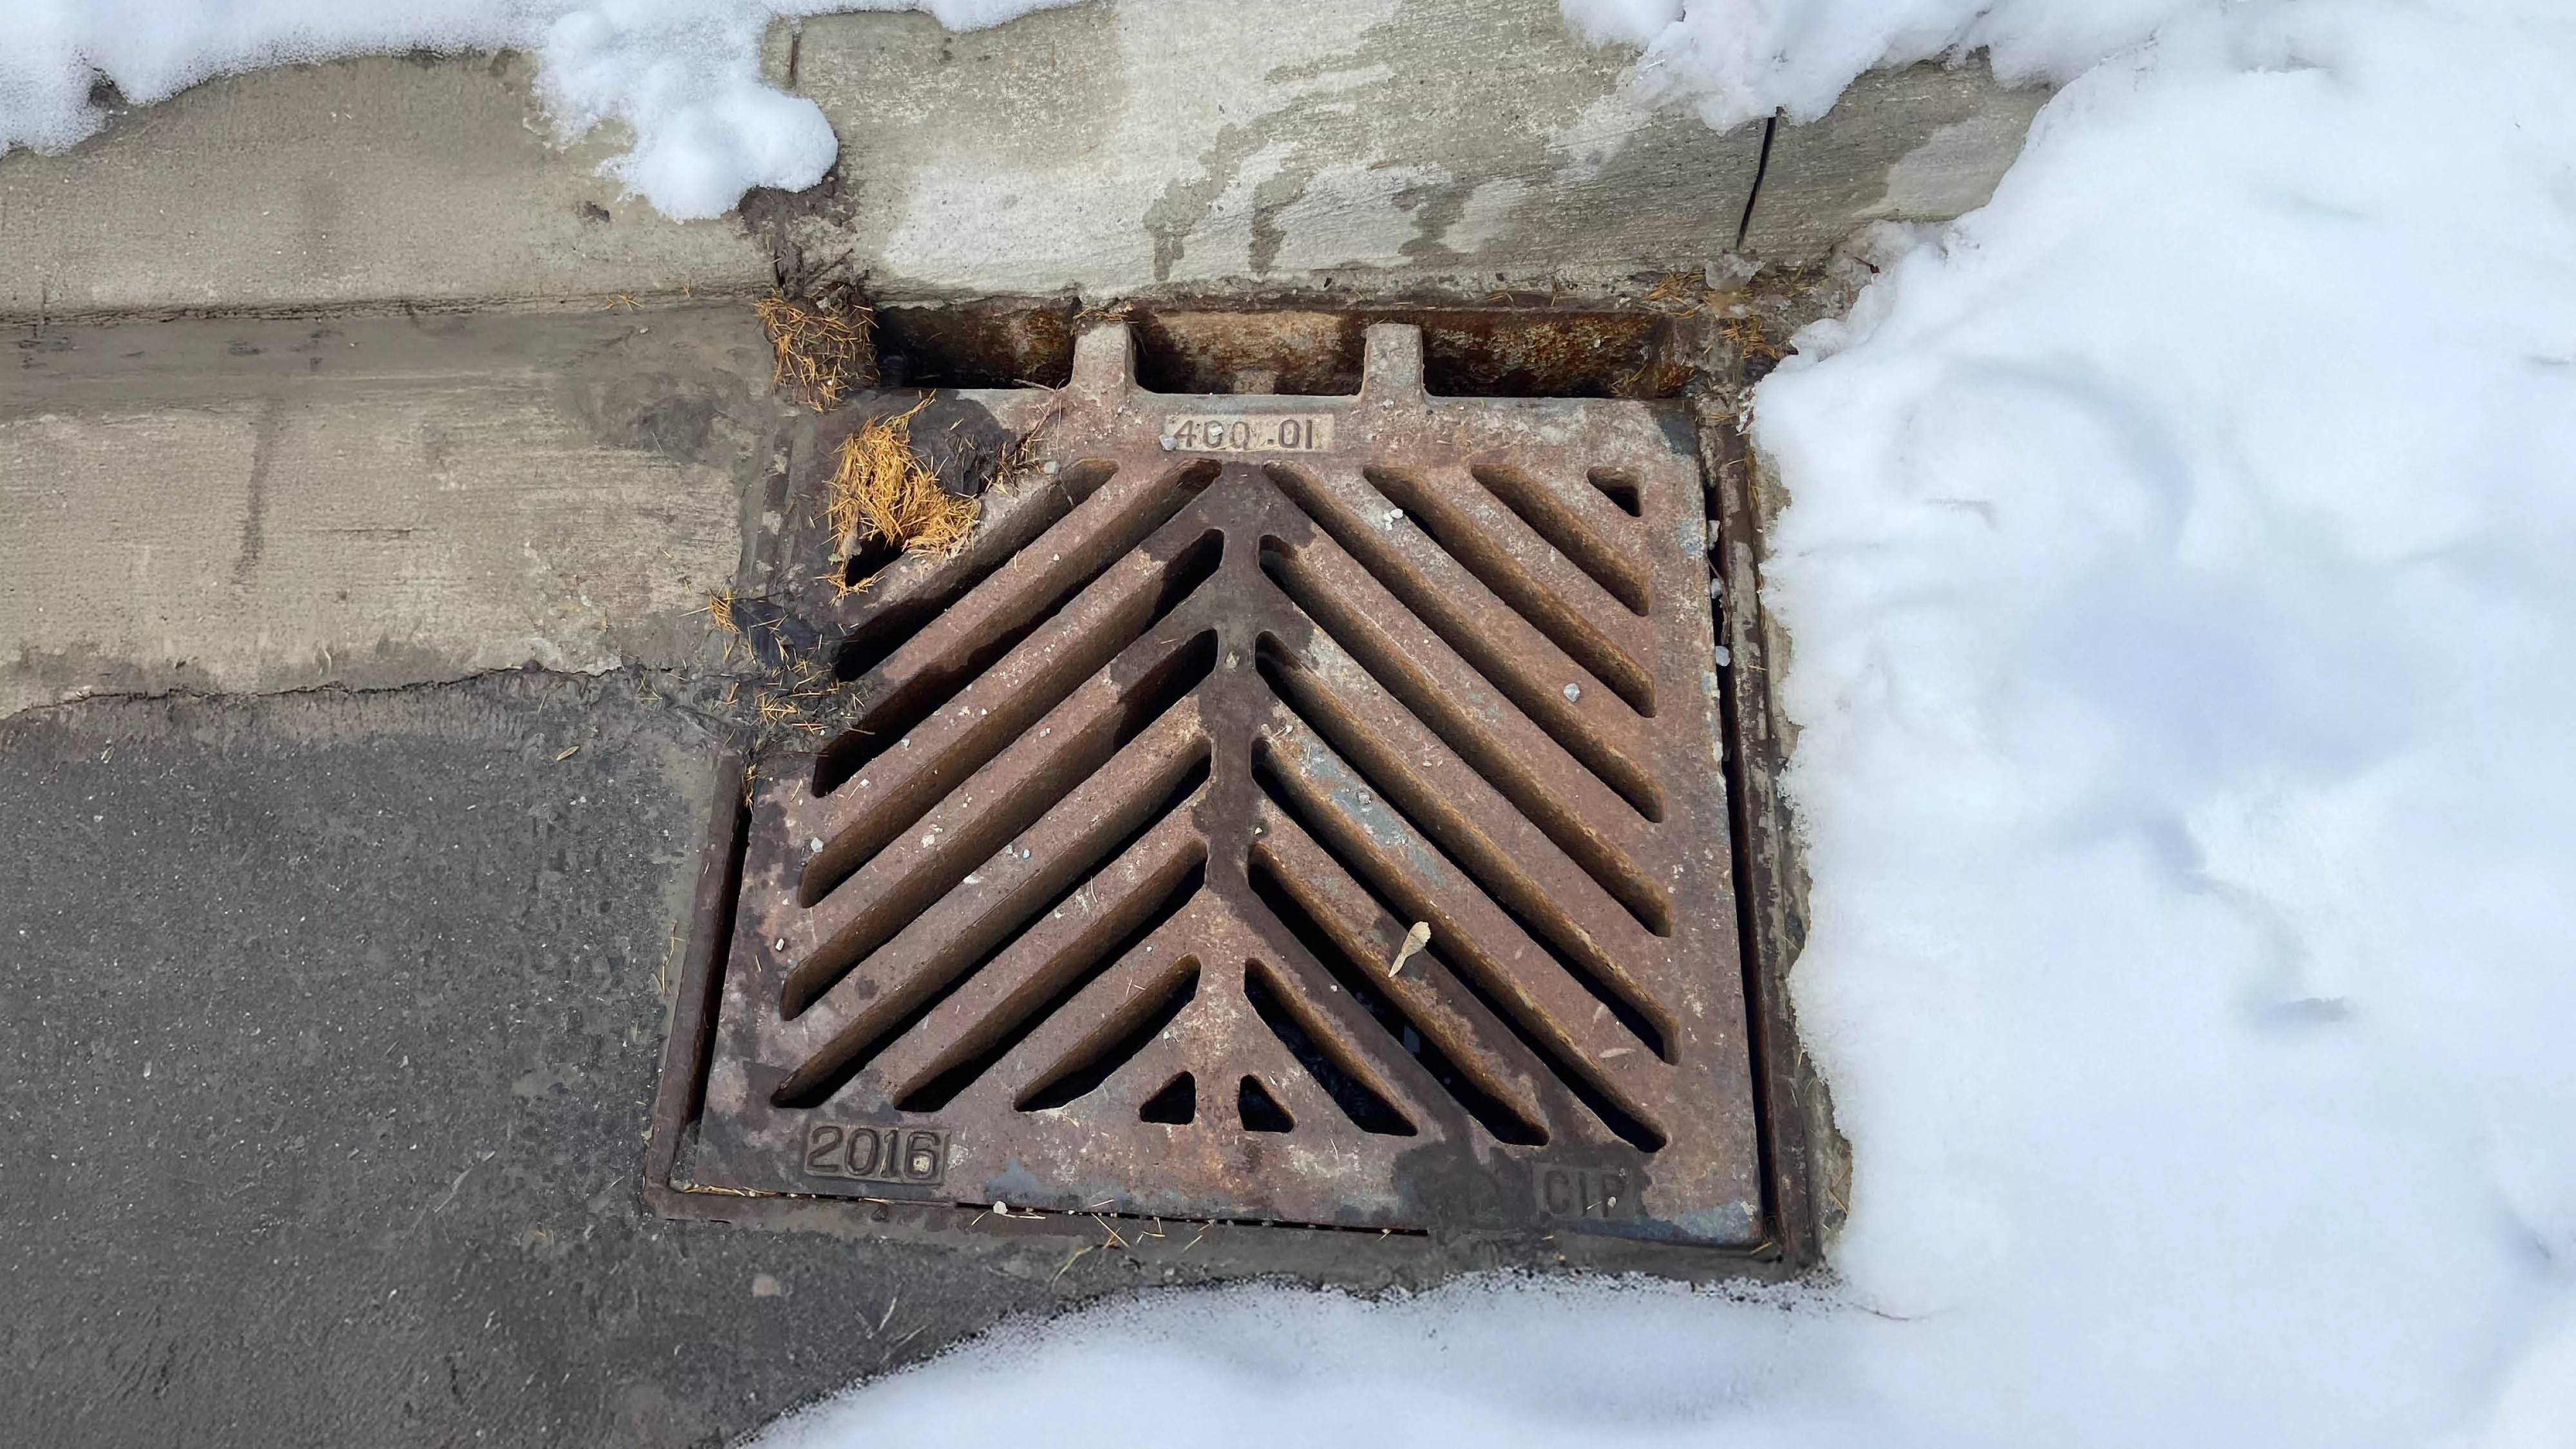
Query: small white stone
[1573, 693]
[814, 846]
[780, 944]
[928, 841]
[1723, 657]
[974, 880]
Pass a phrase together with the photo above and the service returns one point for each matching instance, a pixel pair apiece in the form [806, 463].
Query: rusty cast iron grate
[1310, 810]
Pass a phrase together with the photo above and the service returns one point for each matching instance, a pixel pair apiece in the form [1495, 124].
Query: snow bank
[683, 76]
[1738, 60]
[2179, 567]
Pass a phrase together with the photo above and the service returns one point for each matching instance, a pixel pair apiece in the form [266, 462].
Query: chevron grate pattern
[1123, 872]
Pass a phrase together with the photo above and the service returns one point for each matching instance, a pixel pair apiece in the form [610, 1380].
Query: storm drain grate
[1302, 809]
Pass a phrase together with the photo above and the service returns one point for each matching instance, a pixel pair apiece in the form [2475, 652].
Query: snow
[682, 76]
[1740, 60]
[2178, 569]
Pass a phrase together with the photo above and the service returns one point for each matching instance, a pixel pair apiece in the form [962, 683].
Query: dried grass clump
[882, 490]
[826, 347]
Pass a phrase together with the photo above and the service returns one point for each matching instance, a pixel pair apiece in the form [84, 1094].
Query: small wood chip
[1414, 940]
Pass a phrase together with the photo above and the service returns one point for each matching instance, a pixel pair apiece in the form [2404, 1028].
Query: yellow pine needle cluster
[823, 351]
[1750, 339]
[882, 490]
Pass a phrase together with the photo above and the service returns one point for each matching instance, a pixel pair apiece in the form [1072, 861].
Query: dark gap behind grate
[1619, 488]
[1483, 352]
[1543, 706]
[1002, 1038]
[1538, 506]
[1368, 1111]
[874, 638]
[1612, 870]
[1312, 706]
[890, 718]
[1177, 1103]
[1530, 598]
[1258, 1110]
[849, 852]
[1120, 1038]
[1497, 1117]
[830, 1070]
[1281, 788]
[1170, 681]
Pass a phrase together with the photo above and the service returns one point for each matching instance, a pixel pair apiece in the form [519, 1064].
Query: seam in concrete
[639, 299]
[186, 695]
[1761, 168]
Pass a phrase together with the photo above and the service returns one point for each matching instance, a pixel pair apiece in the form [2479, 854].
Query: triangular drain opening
[1367, 1110]
[1177, 1102]
[1261, 1112]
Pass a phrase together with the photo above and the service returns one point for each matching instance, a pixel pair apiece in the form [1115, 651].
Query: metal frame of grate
[1301, 811]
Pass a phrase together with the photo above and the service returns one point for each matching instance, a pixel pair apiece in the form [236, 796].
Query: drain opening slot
[1185, 347]
[1368, 1111]
[1258, 1110]
[1272, 888]
[1145, 706]
[1117, 1041]
[886, 720]
[1538, 604]
[1177, 1103]
[1541, 919]
[992, 734]
[1284, 791]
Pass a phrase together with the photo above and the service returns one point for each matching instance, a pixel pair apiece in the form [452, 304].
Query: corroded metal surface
[1104, 903]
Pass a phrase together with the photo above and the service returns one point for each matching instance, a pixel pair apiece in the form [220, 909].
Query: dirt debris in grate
[1301, 809]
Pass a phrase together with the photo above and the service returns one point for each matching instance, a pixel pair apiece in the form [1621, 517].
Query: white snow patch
[2178, 565]
[683, 76]
[1740, 60]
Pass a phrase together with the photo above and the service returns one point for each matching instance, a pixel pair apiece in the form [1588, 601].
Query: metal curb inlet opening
[1306, 812]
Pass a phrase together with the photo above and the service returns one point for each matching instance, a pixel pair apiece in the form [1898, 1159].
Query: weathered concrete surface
[1363, 146]
[331, 1023]
[1925, 143]
[1360, 145]
[368, 180]
[230, 504]
[1354, 142]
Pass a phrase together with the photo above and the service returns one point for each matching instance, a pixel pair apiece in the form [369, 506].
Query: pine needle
[883, 490]
[825, 348]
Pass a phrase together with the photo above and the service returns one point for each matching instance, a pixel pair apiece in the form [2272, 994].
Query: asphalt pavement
[333, 1023]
